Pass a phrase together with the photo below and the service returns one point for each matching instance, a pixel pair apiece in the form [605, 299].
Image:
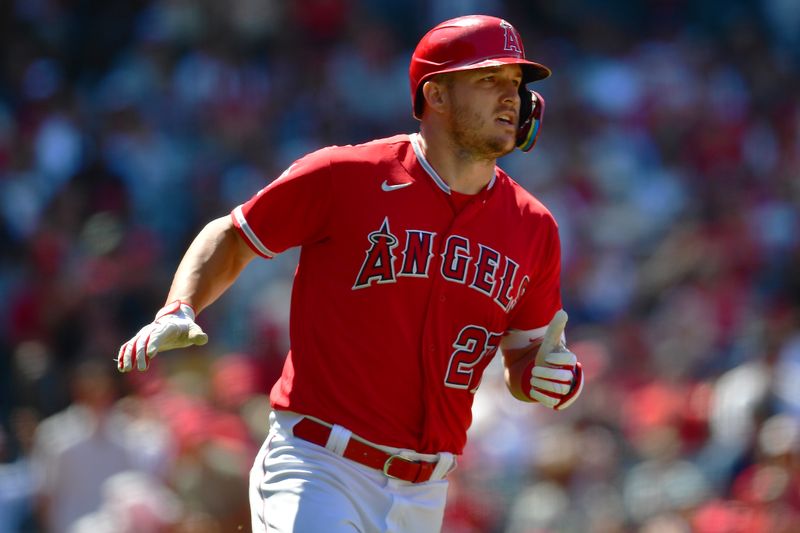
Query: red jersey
[402, 296]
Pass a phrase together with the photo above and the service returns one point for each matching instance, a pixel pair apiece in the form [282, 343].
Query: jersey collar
[414, 138]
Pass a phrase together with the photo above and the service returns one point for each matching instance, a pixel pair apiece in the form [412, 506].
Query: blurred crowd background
[670, 155]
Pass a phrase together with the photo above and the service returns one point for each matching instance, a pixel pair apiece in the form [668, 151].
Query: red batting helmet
[464, 43]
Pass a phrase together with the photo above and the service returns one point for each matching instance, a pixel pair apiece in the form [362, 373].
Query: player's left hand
[557, 376]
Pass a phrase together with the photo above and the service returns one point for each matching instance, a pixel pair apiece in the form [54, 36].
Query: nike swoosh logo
[389, 188]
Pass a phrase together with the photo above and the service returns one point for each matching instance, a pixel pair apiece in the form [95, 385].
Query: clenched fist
[174, 327]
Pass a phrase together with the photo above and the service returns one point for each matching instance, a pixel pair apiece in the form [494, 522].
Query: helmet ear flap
[530, 118]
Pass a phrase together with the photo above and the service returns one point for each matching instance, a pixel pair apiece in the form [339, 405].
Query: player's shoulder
[348, 161]
[373, 151]
[525, 202]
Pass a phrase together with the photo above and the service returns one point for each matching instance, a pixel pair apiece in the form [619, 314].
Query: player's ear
[435, 93]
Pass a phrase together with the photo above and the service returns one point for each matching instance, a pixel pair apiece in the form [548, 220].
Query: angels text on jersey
[463, 261]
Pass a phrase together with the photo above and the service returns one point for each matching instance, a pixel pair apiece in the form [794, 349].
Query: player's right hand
[173, 327]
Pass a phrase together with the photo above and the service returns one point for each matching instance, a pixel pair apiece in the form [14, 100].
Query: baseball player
[420, 258]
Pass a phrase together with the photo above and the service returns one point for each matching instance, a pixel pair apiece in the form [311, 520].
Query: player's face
[484, 110]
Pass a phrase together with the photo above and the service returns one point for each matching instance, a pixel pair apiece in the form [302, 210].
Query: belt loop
[444, 465]
[338, 439]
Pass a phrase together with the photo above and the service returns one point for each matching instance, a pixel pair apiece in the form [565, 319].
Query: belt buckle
[388, 464]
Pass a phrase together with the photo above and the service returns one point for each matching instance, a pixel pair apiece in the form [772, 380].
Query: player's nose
[510, 93]
[510, 100]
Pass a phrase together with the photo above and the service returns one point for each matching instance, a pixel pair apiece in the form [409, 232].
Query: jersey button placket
[437, 299]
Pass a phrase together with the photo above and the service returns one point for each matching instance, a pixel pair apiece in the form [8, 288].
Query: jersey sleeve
[542, 297]
[291, 211]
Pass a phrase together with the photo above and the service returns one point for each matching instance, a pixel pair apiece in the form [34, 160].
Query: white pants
[299, 487]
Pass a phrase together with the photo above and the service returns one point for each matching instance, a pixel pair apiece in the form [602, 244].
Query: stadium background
[670, 156]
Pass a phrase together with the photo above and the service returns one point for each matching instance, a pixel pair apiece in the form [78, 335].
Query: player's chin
[500, 145]
[504, 138]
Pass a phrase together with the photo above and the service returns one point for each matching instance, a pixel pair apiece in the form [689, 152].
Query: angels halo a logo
[512, 43]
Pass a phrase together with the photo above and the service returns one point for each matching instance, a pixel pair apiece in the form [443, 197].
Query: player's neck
[461, 173]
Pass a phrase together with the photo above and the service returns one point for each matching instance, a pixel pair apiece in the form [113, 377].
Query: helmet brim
[531, 72]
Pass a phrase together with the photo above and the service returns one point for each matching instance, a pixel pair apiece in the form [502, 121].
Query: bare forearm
[516, 362]
[212, 263]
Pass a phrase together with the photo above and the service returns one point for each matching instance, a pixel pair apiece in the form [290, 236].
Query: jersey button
[442, 298]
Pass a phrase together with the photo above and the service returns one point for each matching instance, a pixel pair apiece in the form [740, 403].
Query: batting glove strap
[577, 387]
[555, 387]
[178, 308]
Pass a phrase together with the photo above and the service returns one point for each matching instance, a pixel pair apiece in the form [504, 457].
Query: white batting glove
[556, 379]
[173, 327]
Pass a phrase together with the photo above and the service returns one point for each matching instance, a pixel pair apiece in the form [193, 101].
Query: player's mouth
[508, 119]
